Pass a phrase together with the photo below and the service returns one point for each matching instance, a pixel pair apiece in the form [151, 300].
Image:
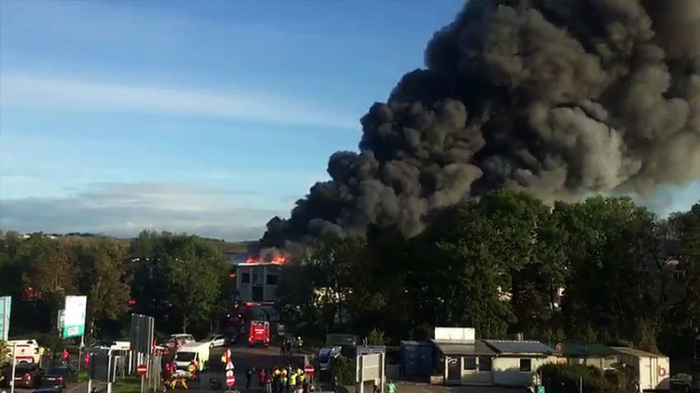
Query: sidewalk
[82, 387]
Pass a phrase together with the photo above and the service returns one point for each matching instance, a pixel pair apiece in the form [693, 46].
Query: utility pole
[14, 366]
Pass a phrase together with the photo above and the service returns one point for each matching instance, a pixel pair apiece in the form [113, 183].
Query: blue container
[416, 358]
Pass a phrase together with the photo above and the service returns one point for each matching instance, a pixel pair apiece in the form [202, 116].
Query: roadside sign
[74, 316]
[230, 378]
[142, 369]
[229, 366]
[5, 307]
[540, 389]
[309, 370]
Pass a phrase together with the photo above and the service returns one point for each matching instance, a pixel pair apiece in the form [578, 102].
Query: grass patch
[130, 384]
[83, 376]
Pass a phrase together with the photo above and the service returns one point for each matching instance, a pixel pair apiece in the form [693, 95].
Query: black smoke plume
[556, 98]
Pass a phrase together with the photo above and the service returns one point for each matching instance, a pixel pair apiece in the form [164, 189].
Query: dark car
[60, 376]
[27, 375]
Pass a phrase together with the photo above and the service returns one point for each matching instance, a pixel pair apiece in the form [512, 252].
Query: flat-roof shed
[517, 361]
[464, 361]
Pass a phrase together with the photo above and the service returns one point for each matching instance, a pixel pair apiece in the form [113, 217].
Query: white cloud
[125, 209]
[31, 91]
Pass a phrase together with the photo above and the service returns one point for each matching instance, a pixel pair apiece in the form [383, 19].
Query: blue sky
[206, 116]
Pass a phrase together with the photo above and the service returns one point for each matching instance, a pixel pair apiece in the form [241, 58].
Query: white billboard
[74, 316]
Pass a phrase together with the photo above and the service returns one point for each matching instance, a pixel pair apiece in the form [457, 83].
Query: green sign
[74, 316]
[540, 389]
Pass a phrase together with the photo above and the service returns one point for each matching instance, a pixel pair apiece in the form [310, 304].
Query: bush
[344, 369]
[376, 337]
[565, 378]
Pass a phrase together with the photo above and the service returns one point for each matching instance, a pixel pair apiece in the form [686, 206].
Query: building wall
[507, 369]
[472, 370]
[257, 282]
[648, 370]
[596, 361]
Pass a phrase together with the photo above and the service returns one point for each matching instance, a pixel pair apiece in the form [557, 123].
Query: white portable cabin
[653, 370]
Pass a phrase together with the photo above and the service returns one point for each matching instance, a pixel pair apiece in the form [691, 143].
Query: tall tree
[194, 272]
[105, 280]
[609, 285]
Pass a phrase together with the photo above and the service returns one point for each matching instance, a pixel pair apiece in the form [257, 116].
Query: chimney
[519, 337]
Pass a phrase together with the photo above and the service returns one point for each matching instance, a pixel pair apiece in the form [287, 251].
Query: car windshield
[324, 359]
[213, 337]
[184, 356]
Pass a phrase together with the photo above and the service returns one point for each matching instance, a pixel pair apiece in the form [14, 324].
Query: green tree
[465, 278]
[105, 280]
[194, 273]
[52, 272]
[609, 282]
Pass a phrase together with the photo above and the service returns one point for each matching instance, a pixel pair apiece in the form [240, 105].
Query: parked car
[682, 382]
[27, 375]
[182, 339]
[215, 340]
[60, 376]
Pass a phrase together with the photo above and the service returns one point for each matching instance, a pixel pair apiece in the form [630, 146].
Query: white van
[26, 351]
[196, 351]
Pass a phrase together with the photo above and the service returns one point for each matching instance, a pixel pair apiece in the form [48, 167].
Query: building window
[470, 363]
[484, 363]
[245, 278]
[271, 279]
[526, 365]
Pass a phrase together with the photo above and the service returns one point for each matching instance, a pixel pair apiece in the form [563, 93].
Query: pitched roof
[476, 348]
[519, 347]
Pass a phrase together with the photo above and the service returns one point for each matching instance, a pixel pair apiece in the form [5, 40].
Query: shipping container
[416, 358]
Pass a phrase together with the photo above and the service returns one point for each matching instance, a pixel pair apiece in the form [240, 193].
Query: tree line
[604, 270]
[181, 280]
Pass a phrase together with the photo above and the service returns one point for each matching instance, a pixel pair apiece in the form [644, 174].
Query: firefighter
[300, 343]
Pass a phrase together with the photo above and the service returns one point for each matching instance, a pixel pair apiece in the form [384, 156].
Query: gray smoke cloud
[556, 98]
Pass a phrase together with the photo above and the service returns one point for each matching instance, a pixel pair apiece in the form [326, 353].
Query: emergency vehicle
[26, 351]
[192, 351]
[259, 333]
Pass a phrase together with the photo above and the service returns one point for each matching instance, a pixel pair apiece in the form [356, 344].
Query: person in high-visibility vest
[390, 387]
[192, 369]
[292, 382]
[283, 380]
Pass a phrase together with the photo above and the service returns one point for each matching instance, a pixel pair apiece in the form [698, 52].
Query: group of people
[288, 344]
[279, 380]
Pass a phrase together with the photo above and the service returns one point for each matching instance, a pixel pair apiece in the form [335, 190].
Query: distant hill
[242, 247]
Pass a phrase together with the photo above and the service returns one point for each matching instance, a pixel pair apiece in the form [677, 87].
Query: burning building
[257, 276]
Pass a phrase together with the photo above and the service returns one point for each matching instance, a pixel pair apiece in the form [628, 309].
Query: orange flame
[279, 260]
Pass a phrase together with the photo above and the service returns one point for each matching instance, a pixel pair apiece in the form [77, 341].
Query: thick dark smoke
[556, 98]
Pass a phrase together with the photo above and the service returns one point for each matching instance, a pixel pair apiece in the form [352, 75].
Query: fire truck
[238, 321]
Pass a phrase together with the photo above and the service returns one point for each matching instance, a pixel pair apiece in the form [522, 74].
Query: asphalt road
[242, 358]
